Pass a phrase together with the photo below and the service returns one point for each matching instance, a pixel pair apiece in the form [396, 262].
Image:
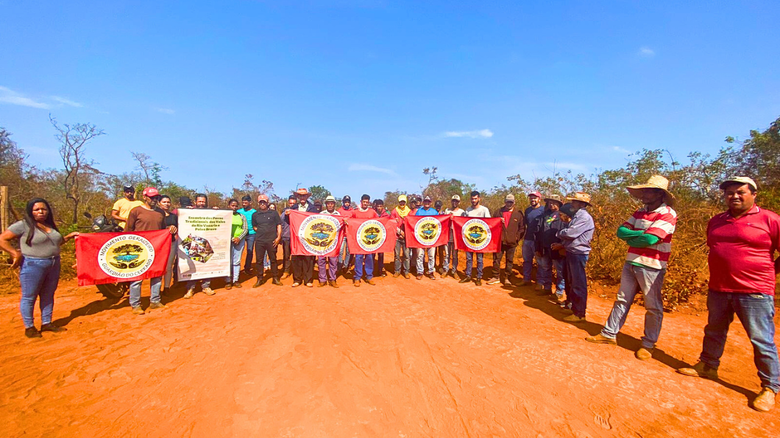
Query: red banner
[370, 236]
[476, 234]
[314, 234]
[427, 231]
[120, 257]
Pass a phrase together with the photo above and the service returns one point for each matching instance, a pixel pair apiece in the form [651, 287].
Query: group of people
[555, 234]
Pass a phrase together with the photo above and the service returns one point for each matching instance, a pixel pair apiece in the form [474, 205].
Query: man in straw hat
[648, 233]
[742, 241]
[547, 226]
[576, 240]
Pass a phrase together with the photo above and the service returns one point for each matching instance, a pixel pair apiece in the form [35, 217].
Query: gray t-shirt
[43, 244]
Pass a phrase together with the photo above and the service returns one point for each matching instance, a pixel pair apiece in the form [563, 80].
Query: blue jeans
[450, 257]
[529, 251]
[544, 274]
[235, 259]
[421, 260]
[203, 283]
[469, 260]
[649, 282]
[39, 278]
[401, 254]
[577, 290]
[364, 262]
[135, 291]
[250, 251]
[756, 312]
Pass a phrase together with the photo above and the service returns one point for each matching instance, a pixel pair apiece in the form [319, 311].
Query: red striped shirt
[661, 223]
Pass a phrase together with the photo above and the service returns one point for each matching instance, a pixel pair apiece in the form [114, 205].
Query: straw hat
[740, 180]
[554, 198]
[654, 182]
[302, 192]
[580, 196]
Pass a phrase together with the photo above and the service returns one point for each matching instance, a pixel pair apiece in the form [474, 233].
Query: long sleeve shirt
[577, 236]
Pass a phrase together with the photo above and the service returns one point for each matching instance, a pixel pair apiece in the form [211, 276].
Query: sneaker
[237, 285]
[431, 276]
[700, 370]
[356, 283]
[601, 339]
[494, 281]
[453, 275]
[157, 305]
[52, 328]
[419, 277]
[276, 282]
[189, 293]
[323, 283]
[296, 284]
[208, 291]
[137, 310]
[371, 282]
[333, 284]
[406, 276]
[32, 332]
[644, 353]
[478, 282]
[465, 280]
[310, 284]
[258, 283]
[383, 274]
[538, 287]
[765, 400]
[228, 286]
[574, 318]
[396, 274]
[508, 282]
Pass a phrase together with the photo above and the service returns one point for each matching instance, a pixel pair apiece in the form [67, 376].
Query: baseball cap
[511, 197]
[739, 179]
[402, 198]
[330, 198]
[456, 197]
[346, 198]
[536, 193]
[151, 192]
[427, 198]
[128, 189]
[262, 198]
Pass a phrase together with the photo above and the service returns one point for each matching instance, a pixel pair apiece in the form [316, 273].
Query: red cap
[262, 198]
[537, 194]
[151, 192]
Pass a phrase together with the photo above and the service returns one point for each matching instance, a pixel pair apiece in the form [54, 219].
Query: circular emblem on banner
[371, 235]
[476, 234]
[427, 231]
[318, 234]
[126, 256]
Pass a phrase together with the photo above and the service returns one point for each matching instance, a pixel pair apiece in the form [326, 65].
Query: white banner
[203, 244]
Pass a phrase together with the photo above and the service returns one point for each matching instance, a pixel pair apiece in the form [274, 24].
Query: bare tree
[150, 169]
[73, 141]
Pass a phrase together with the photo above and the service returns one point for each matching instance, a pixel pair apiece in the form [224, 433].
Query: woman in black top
[170, 219]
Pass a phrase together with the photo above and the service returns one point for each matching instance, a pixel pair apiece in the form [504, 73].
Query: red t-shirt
[742, 251]
[346, 213]
[368, 214]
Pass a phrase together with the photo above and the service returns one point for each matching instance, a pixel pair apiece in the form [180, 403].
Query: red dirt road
[405, 358]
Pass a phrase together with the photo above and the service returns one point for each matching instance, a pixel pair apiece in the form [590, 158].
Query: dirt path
[405, 358]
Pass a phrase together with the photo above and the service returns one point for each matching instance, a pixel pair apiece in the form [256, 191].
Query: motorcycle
[105, 224]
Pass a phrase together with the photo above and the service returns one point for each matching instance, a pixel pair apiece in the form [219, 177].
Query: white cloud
[621, 150]
[9, 96]
[565, 165]
[482, 133]
[646, 52]
[165, 110]
[359, 167]
[65, 101]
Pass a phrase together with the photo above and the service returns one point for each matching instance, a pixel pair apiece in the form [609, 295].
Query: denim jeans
[529, 251]
[649, 282]
[203, 283]
[250, 251]
[401, 255]
[756, 312]
[577, 289]
[509, 251]
[421, 260]
[235, 259]
[544, 275]
[135, 291]
[450, 257]
[326, 268]
[364, 263]
[39, 278]
[469, 259]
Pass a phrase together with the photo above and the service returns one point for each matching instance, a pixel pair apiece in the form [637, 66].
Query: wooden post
[3, 208]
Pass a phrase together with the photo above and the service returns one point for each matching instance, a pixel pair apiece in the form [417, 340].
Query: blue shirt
[248, 215]
[531, 217]
[426, 212]
[577, 236]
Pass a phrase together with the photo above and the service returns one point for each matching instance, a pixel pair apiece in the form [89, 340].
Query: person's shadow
[630, 343]
[94, 307]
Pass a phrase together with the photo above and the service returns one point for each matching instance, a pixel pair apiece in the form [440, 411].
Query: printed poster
[203, 244]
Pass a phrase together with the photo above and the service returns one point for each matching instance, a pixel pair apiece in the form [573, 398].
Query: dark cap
[427, 198]
[128, 189]
[346, 198]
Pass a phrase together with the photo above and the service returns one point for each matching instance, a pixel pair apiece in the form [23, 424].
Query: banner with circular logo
[318, 234]
[476, 234]
[427, 230]
[371, 234]
[120, 257]
[126, 256]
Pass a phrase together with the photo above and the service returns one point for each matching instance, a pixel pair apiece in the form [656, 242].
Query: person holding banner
[171, 219]
[286, 259]
[268, 233]
[450, 266]
[39, 258]
[364, 263]
[475, 210]
[426, 210]
[327, 266]
[576, 240]
[379, 207]
[401, 252]
[147, 217]
[238, 231]
[345, 260]
[201, 202]
[513, 223]
[303, 265]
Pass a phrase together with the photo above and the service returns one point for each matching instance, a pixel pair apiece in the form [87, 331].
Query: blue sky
[361, 95]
